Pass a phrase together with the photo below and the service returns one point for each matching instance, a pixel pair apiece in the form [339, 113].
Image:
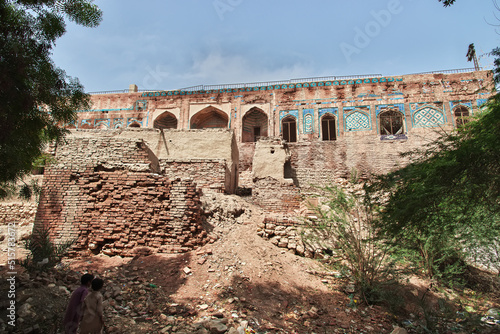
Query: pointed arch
[289, 129]
[461, 114]
[328, 123]
[209, 117]
[167, 120]
[255, 124]
[391, 122]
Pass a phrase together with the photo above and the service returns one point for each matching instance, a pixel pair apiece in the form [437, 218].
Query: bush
[43, 253]
[348, 220]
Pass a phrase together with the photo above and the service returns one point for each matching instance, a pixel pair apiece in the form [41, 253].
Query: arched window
[254, 125]
[328, 128]
[391, 122]
[461, 115]
[165, 121]
[289, 129]
[209, 117]
[134, 125]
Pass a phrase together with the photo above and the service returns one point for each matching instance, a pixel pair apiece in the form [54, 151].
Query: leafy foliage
[36, 97]
[348, 219]
[447, 3]
[44, 254]
[447, 201]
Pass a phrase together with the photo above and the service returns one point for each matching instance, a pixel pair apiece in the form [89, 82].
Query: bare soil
[240, 279]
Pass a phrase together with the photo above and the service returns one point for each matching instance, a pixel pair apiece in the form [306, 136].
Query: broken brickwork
[275, 196]
[209, 173]
[107, 194]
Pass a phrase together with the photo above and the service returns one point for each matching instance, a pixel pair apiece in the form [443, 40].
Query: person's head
[86, 279]
[97, 284]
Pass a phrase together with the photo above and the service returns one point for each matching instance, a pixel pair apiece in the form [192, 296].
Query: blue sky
[172, 44]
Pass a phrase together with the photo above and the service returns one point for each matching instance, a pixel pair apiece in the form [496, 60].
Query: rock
[216, 327]
[24, 310]
[203, 306]
[399, 330]
[64, 290]
[186, 270]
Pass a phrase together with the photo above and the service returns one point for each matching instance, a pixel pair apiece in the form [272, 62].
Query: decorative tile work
[141, 104]
[102, 121]
[106, 110]
[117, 123]
[88, 122]
[381, 107]
[394, 137]
[480, 103]
[467, 104]
[428, 117]
[356, 120]
[284, 113]
[323, 111]
[333, 112]
[131, 120]
[274, 87]
[308, 120]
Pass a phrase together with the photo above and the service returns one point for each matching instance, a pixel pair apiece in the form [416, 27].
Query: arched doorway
[209, 117]
[254, 125]
[165, 121]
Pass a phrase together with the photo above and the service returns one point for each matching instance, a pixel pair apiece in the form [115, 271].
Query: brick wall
[275, 196]
[115, 211]
[109, 195]
[320, 163]
[209, 174]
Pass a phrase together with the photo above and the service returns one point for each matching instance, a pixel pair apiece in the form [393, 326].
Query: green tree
[446, 203]
[447, 3]
[36, 97]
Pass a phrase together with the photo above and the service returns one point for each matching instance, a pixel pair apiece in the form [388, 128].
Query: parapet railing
[282, 82]
[458, 70]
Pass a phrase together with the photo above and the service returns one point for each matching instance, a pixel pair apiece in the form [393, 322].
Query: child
[74, 310]
[92, 320]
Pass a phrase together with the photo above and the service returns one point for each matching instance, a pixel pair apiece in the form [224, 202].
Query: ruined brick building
[154, 149]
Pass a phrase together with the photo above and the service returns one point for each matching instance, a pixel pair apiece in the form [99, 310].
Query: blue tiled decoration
[454, 104]
[117, 123]
[480, 103]
[356, 119]
[86, 122]
[131, 120]
[308, 120]
[293, 113]
[102, 121]
[324, 111]
[332, 111]
[284, 113]
[381, 107]
[428, 117]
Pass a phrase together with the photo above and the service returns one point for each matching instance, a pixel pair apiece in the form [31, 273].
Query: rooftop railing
[281, 82]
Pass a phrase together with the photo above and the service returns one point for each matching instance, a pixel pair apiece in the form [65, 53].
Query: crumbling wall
[210, 174]
[189, 147]
[275, 196]
[106, 194]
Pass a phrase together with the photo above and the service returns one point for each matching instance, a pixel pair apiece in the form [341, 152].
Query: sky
[174, 44]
